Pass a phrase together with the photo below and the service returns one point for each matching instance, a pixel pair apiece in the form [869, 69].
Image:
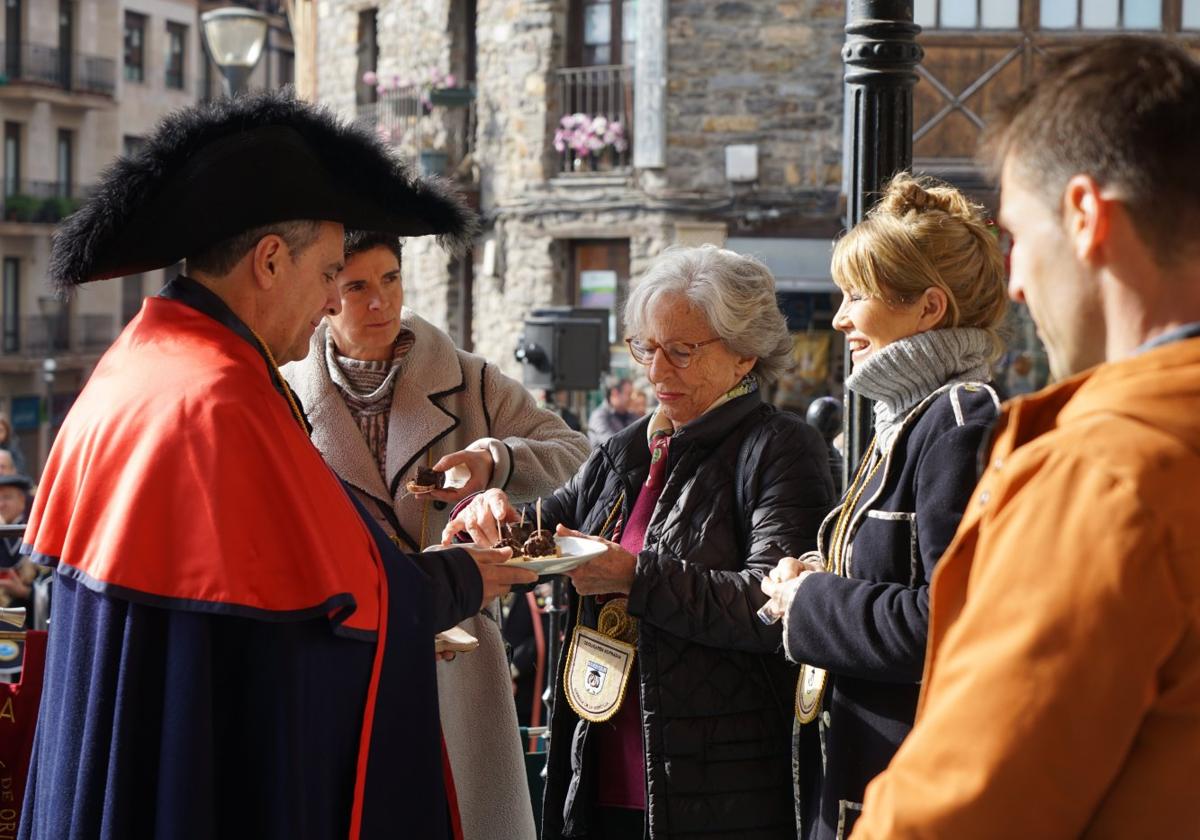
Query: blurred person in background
[825, 415]
[614, 414]
[11, 444]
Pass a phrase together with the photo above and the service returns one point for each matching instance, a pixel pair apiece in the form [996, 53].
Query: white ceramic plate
[575, 552]
[455, 639]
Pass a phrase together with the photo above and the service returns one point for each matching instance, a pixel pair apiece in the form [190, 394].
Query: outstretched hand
[497, 577]
[481, 519]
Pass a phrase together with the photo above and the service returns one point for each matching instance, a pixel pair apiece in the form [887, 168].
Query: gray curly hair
[736, 293]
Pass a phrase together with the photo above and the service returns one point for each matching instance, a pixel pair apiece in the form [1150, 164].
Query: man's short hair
[358, 241]
[1124, 110]
[220, 258]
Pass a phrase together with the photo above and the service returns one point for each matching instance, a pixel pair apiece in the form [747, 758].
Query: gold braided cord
[612, 513]
[425, 505]
[837, 549]
[616, 622]
[835, 563]
[287, 392]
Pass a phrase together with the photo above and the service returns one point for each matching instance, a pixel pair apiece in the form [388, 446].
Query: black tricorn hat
[209, 172]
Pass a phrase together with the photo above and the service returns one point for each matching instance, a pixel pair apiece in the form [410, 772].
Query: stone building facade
[687, 79]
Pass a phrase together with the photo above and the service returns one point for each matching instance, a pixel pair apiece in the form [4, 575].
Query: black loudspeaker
[564, 348]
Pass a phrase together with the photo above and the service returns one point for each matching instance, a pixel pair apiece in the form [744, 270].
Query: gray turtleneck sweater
[909, 369]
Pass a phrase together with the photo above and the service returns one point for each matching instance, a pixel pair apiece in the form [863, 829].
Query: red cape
[181, 478]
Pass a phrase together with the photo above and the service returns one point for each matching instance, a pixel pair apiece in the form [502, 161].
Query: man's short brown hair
[1124, 110]
[220, 258]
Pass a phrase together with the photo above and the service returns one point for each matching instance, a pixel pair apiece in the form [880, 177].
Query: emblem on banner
[593, 680]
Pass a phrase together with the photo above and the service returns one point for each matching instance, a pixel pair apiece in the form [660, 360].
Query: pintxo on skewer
[426, 481]
[541, 543]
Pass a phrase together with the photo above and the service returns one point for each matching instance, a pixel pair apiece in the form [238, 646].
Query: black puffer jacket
[715, 693]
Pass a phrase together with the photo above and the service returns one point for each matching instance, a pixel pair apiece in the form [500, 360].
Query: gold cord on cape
[287, 392]
[810, 685]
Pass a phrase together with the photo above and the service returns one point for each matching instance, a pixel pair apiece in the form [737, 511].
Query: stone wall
[738, 72]
[769, 74]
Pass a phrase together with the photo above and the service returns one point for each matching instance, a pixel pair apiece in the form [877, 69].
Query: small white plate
[575, 552]
[455, 639]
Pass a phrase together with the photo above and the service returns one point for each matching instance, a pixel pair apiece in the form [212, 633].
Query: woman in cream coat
[386, 392]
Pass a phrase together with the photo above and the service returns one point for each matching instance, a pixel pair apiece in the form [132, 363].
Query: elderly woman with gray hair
[673, 713]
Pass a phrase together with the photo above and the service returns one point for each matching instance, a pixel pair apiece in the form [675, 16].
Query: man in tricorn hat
[236, 649]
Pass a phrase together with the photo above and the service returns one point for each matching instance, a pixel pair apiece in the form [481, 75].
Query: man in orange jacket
[1061, 694]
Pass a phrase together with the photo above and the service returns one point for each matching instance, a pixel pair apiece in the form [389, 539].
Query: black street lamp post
[881, 57]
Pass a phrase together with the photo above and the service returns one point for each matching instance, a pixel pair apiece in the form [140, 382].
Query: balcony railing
[439, 138]
[584, 142]
[46, 65]
[47, 336]
[45, 202]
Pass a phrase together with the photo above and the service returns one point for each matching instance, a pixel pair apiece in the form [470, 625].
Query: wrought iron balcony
[440, 138]
[44, 202]
[46, 65]
[595, 132]
[52, 336]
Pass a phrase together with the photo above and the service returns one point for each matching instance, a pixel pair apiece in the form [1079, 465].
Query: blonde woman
[924, 294]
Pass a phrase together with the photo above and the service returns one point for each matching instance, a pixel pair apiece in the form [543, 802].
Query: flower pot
[451, 97]
[433, 163]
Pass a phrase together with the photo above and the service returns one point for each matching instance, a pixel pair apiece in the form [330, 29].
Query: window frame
[64, 174]
[12, 139]
[135, 22]
[367, 55]
[1029, 20]
[10, 298]
[576, 19]
[175, 78]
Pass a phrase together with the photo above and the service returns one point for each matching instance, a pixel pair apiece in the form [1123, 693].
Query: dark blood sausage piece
[541, 544]
[517, 532]
[430, 478]
[509, 542]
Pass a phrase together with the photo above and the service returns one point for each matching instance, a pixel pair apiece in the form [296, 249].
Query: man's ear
[266, 260]
[1087, 216]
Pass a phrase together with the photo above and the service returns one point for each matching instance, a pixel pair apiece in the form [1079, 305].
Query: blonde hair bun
[907, 193]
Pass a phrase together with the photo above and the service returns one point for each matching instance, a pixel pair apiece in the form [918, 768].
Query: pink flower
[370, 78]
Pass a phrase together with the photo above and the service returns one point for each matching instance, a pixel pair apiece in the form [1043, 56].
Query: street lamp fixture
[234, 38]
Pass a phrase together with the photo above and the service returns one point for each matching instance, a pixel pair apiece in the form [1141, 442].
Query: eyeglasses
[678, 353]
